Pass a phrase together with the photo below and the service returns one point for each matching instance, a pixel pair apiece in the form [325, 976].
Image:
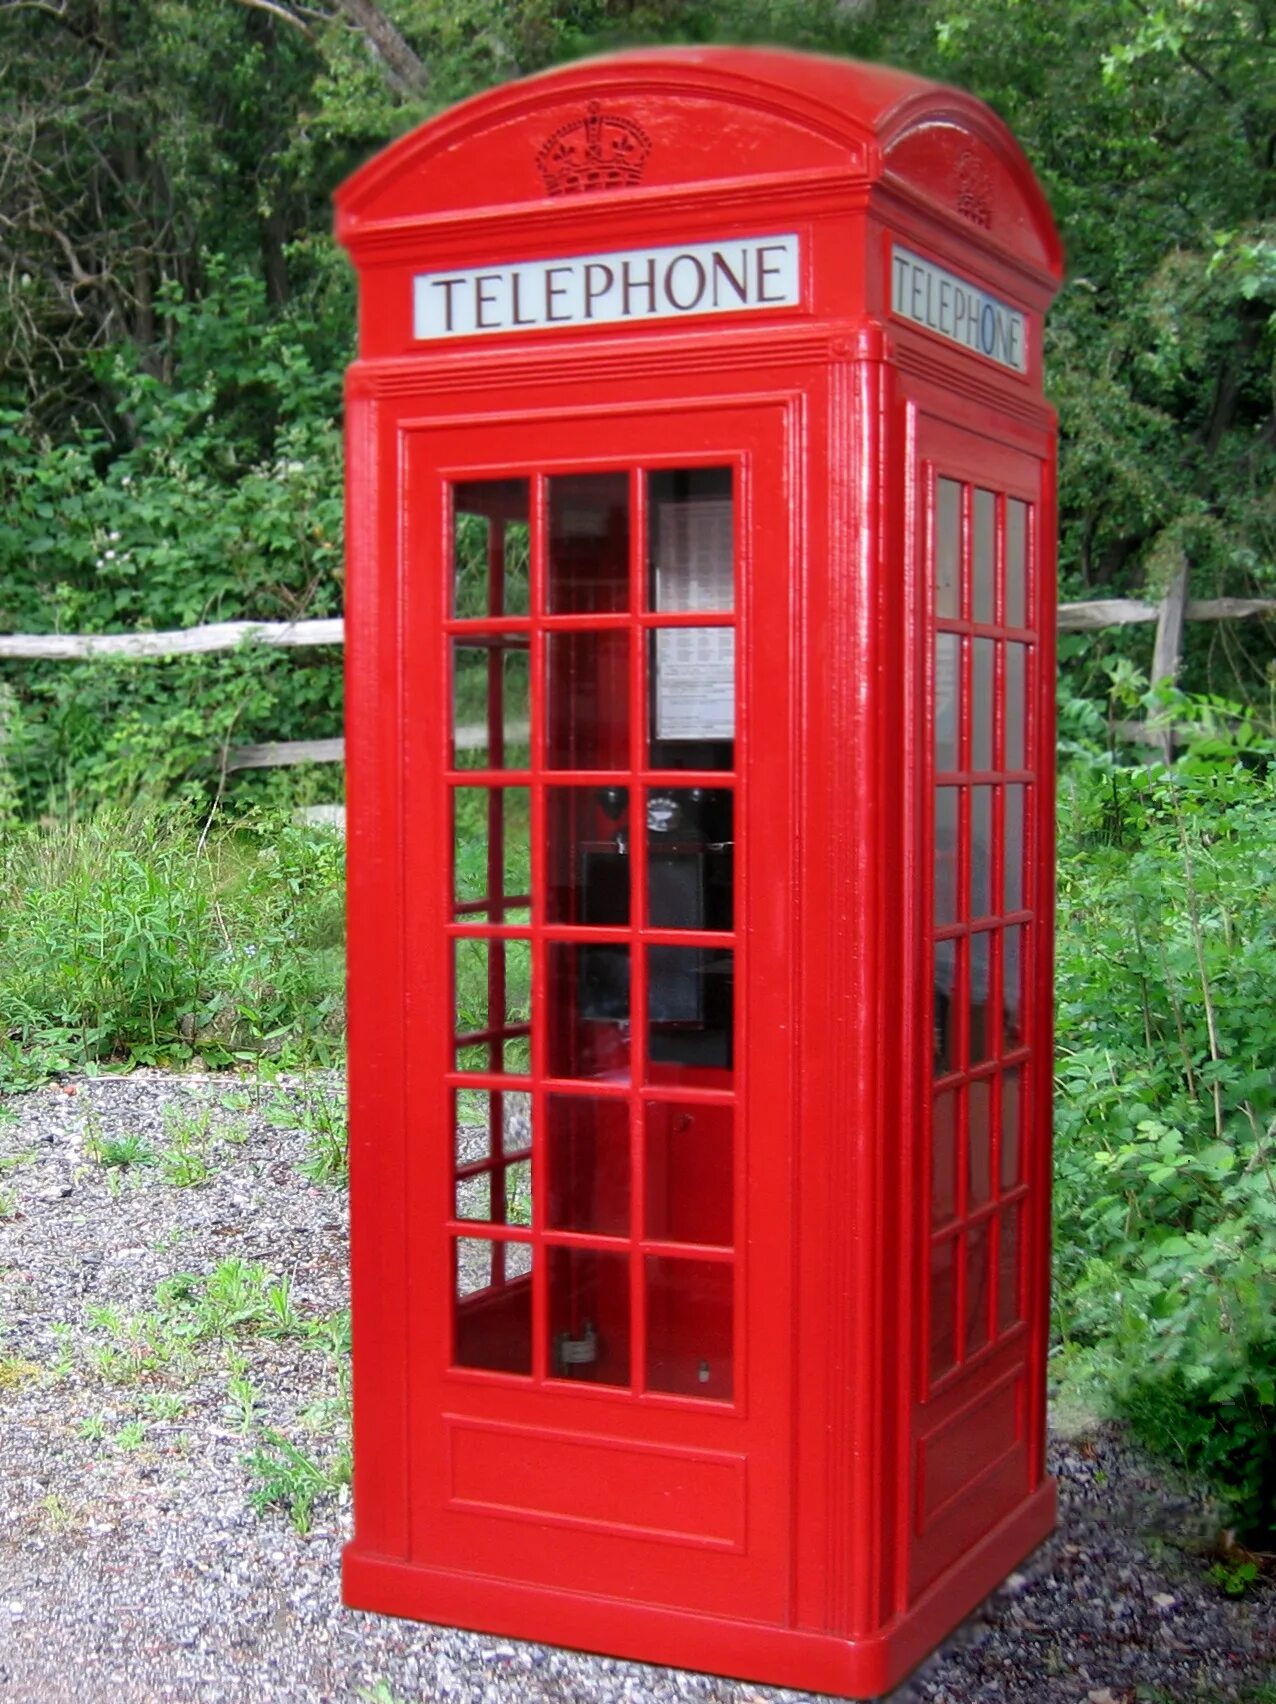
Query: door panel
[599, 1277]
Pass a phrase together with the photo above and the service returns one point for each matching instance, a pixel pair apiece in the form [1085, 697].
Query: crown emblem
[600, 151]
[974, 190]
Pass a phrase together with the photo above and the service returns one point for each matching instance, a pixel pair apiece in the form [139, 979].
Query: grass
[133, 936]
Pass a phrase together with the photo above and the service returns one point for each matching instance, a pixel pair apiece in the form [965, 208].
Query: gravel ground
[144, 1358]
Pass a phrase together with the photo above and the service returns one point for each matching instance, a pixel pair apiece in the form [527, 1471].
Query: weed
[185, 1161]
[380, 1692]
[132, 1435]
[8, 1204]
[320, 1111]
[59, 1515]
[164, 1405]
[93, 1427]
[1234, 1578]
[287, 1477]
[243, 1401]
[15, 1370]
[120, 1153]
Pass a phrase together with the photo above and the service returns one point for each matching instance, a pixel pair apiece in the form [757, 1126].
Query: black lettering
[700, 280]
[447, 285]
[988, 329]
[517, 315]
[918, 279]
[765, 271]
[648, 284]
[930, 291]
[901, 273]
[946, 306]
[591, 293]
[554, 291]
[721, 270]
[1014, 343]
[959, 316]
[482, 300]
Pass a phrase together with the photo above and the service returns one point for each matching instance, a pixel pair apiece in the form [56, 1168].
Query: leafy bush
[1165, 1154]
[134, 936]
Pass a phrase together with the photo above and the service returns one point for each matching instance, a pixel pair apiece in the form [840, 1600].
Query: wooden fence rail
[1170, 614]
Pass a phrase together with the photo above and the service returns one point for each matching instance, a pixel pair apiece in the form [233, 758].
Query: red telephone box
[699, 629]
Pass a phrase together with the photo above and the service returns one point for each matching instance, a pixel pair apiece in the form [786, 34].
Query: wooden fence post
[1168, 645]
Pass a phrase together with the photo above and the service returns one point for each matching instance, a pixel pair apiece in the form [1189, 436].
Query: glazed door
[597, 730]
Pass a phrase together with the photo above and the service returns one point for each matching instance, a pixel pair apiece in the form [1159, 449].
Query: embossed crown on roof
[600, 151]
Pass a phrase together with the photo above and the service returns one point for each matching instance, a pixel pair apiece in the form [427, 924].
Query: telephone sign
[699, 665]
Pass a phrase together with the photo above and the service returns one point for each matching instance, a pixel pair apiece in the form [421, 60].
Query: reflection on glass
[689, 1168]
[1011, 1163]
[491, 850]
[943, 1159]
[589, 1315]
[980, 851]
[690, 849]
[982, 545]
[981, 703]
[981, 1007]
[588, 543]
[492, 1151]
[588, 1155]
[1016, 706]
[949, 965]
[943, 1306]
[978, 1142]
[947, 662]
[1016, 563]
[948, 549]
[946, 843]
[1012, 858]
[493, 991]
[690, 1002]
[692, 541]
[1012, 988]
[588, 1009]
[689, 1327]
[587, 855]
[491, 718]
[978, 1281]
[492, 1309]
[588, 700]
[1009, 1288]
[490, 548]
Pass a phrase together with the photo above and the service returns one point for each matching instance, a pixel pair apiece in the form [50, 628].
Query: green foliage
[1165, 1243]
[135, 937]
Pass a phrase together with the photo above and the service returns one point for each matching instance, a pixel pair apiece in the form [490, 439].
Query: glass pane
[948, 549]
[491, 718]
[946, 843]
[1012, 988]
[949, 969]
[981, 1007]
[1011, 1162]
[691, 529]
[943, 1159]
[689, 1327]
[690, 999]
[588, 543]
[689, 1169]
[588, 1010]
[1009, 1265]
[947, 658]
[1016, 563]
[981, 704]
[493, 987]
[492, 853]
[589, 1315]
[491, 552]
[690, 849]
[985, 510]
[490, 1124]
[587, 855]
[492, 1311]
[1013, 842]
[980, 851]
[588, 700]
[978, 1279]
[692, 692]
[588, 1152]
[943, 1304]
[1016, 705]
[978, 1143]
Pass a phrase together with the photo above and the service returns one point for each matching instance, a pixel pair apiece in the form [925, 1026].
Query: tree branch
[405, 71]
[280, 12]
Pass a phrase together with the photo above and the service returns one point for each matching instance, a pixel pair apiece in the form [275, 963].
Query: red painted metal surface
[700, 664]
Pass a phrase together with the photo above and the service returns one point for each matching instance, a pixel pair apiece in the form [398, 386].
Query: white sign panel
[958, 310]
[695, 666]
[738, 275]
